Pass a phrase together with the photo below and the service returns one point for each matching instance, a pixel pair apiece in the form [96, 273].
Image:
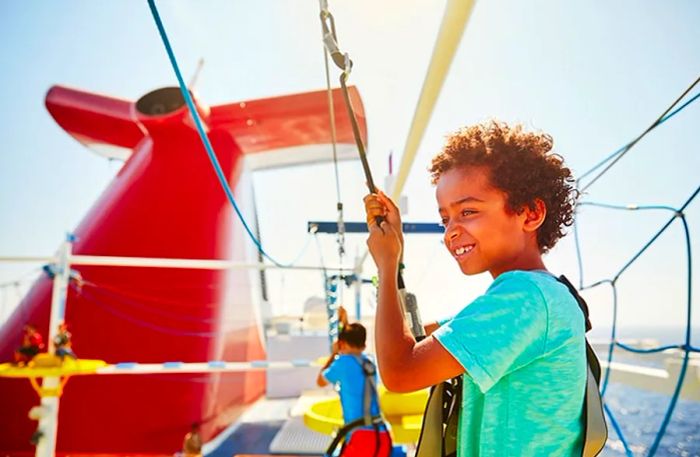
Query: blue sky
[593, 75]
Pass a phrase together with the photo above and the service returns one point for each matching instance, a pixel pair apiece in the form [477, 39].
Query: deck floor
[271, 426]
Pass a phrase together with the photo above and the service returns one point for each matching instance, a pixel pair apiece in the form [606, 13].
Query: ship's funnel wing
[292, 129]
[104, 124]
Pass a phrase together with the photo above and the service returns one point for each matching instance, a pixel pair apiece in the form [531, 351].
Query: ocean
[641, 412]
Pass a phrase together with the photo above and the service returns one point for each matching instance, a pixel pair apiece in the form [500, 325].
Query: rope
[142, 305]
[684, 366]
[200, 129]
[664, 119]
[579, 257]
[618, 430]
[91, 298]
[649, 351]
[331, 116]
[625, 149]
[613, 339]
[215, 366]
[141, 301]
[678, 213]
[340, 237]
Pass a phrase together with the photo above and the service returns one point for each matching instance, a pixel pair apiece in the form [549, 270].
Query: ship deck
[271, 427]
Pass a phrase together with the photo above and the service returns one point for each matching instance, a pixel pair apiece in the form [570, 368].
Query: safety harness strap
[595, 430]
[367, 419]
[440, 421]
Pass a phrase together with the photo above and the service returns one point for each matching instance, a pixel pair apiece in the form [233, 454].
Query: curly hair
[522, 165]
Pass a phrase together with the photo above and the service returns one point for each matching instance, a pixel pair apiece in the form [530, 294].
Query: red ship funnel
[164, 202]
[163, 106]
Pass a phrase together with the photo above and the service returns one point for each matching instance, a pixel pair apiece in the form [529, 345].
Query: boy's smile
[481, 233]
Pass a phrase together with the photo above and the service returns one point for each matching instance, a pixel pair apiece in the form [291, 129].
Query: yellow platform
[48, 365]
[404, 412]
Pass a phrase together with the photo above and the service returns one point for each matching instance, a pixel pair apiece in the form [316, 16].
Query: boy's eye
[468, 212]
[443, 221]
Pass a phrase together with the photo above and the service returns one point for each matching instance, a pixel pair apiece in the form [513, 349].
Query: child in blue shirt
[504, 199]
[344, 369]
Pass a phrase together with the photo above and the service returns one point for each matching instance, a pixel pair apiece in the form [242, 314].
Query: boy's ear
[534, 215]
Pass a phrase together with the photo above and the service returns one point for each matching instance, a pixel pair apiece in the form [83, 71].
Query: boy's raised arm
[404, 364]
[321, 381]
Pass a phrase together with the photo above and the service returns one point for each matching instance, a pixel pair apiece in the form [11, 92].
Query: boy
[504, 199]
[62, 343]
[344, 368]
[32, 344]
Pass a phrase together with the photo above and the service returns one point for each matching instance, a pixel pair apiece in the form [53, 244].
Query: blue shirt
[522, 346]
[345, 372]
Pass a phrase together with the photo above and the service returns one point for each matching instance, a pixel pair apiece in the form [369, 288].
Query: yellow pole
[454, 20]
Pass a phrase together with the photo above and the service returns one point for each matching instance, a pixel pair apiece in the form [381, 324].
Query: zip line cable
[200, 129]
[331, 115]
[617, 155]
[323, 4]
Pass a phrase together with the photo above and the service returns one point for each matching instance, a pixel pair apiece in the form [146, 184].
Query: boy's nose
[451, 231]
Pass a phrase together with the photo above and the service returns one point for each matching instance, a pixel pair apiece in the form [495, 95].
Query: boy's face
[480, 232]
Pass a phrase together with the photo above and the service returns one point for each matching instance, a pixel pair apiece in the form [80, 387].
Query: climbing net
[677, 213]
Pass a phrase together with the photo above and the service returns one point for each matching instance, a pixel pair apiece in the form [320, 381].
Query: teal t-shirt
[522, 346]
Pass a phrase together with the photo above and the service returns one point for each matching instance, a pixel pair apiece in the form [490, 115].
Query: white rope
[207, 367]
[201, 264]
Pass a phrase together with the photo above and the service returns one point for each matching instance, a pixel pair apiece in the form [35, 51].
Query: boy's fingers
[375, 207]
[371, 197]
[387, 201]
[373, 228]
[372, 219]
[372, 201]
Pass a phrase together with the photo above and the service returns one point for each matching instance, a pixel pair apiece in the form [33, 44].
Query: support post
[48, 423]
